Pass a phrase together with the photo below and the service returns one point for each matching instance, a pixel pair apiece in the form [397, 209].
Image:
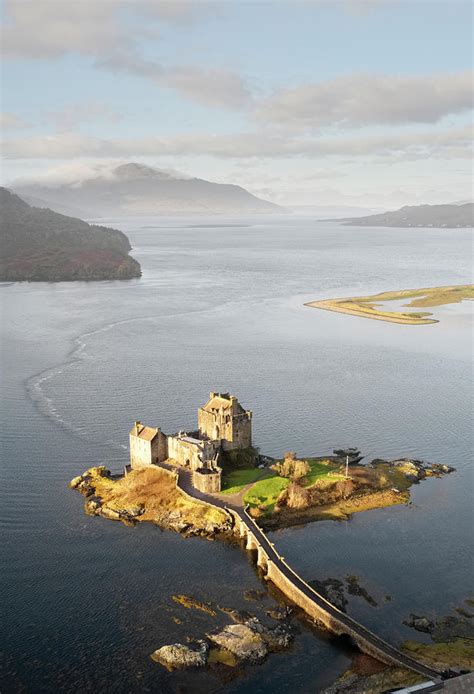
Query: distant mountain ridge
[450, 216]
[136, 189]
[42, 245]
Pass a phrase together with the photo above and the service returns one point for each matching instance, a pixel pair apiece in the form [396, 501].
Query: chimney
[138, 426]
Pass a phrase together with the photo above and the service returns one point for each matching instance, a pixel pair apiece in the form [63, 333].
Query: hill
[136, 189]
[41, 245]
[449, 216]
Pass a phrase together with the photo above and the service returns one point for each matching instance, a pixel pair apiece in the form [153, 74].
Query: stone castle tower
[224, 419]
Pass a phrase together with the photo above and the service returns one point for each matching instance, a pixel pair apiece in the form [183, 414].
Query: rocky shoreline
[115, 498]
[152, 495]
[378, 484]
[452, 648]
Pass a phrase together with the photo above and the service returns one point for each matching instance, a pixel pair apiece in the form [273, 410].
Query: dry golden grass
[156, 490]
[368, 306]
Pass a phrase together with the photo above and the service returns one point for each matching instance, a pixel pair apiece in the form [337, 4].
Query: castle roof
[224, 401]
[143, 432]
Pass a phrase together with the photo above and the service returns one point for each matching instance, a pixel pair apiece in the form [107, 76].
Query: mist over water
[221, 308]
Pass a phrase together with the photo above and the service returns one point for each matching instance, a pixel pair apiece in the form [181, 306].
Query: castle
[223, 425]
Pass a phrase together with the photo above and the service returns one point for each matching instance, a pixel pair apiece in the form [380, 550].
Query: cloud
[448, 144]
[50, 29]
[111, 32]
[47, 29]
[76, 172]
[365, 99]
[213, 87]
[10, 121]
[76, 114]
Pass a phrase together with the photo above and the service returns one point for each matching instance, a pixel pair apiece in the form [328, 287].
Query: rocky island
[190, 481]
[212, 481]
[39, 245]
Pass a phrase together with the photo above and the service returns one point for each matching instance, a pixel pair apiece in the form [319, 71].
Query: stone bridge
[299, 592]
[315, 605]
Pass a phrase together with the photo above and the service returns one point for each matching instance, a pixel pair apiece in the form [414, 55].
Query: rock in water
[241, 641]
[276, 637]
[178, 656]
[75, 482]
[333, 590]
[419, 623]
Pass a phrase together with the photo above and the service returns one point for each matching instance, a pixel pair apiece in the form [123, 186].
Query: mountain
[44, 246]
[136, 189]
[450, 216]
[44, 204]
[462, 202]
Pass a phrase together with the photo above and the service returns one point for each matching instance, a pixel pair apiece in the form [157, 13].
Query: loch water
[85, 601]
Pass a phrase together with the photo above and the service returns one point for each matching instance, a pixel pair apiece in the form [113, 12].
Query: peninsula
[39, 245]
[376, 306]
[451, 216]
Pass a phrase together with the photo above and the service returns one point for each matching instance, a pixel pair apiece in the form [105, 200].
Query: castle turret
[223, 418]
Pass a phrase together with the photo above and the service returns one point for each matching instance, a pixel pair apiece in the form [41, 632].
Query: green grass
[265, 492]
[236, 480]
[319, 469]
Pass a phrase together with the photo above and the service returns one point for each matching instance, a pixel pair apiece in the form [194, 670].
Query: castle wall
[215, 425]
[184, 452]
[241, 432]
[234, 430]
[207, 482]
[191, 453]
[143, 452]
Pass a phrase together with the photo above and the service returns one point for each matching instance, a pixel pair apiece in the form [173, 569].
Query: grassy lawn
[236, 480]
[319, 469]
[266, 492]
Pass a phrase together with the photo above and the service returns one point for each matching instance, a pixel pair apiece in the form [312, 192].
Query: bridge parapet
[320, 609]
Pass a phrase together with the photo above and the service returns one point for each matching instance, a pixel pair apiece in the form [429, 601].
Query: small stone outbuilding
[148, 445]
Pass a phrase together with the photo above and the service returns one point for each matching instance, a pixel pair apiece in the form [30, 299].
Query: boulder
[178, 656]
[241, 641]
[333, 590]
[93, 506]
[279, 613]
[134, 511]
[75, 482]
[419, 623]
[110, 513]
[276, 637]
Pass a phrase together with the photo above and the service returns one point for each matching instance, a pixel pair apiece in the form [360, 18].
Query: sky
[336, 102]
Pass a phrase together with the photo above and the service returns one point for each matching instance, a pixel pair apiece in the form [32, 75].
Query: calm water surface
[86, 601]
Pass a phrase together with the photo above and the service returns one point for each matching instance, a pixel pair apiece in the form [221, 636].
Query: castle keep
[223, 425]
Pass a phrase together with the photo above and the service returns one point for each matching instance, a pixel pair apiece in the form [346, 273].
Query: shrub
[292, 468]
